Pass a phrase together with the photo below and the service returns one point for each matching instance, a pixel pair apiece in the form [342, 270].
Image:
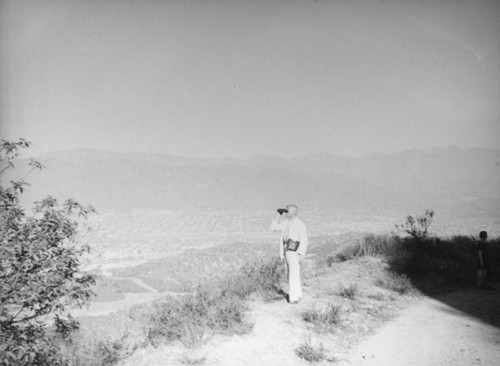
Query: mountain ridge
[411, 178]
[452, 148]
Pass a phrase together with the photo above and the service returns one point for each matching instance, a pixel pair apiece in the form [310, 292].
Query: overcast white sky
[213, 78]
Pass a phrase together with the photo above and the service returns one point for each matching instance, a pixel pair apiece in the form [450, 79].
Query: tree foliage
[417, 226]
[40, 267]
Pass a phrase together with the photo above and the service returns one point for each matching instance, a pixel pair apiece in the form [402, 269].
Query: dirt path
[431, 333]
[379, 328]
[275, 335]
[428, 333]
[277, 331]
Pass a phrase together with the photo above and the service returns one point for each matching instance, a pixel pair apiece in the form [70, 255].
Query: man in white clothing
[294, 233]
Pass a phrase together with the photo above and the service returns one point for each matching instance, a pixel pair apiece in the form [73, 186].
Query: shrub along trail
[279, 329]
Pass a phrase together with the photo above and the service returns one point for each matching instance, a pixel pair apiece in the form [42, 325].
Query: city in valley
[165, 224]
[142, 254]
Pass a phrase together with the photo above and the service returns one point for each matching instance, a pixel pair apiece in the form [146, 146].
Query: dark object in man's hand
[291, 245]
[282, 210]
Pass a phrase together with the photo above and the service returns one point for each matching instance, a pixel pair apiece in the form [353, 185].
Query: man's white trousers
[293, 272]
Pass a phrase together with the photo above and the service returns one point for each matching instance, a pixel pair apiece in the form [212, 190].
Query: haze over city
[169, 133]
[243, 78]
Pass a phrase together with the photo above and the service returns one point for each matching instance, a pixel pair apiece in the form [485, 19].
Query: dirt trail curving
[428, 333]
[431, 333]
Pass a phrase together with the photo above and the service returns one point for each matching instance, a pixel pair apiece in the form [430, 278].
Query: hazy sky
[234, 78]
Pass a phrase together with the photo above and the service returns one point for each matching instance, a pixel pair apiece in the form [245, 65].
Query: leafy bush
[441, 263]
[40, 274]
[432, 263]
[417, 226]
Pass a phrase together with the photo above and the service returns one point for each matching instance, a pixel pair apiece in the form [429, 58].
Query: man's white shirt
[294, 229]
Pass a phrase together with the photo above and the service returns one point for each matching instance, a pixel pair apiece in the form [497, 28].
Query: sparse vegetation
[194, 318]
[350, 292]
[85, 350]
[377, 296]
[394, 282]
[308, 352]
[325, 318]
[104, 340]
[217, 308]
[193, 359]
[262, 278]
[372, 245]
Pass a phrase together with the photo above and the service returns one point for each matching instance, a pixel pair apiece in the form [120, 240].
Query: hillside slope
[378, 327]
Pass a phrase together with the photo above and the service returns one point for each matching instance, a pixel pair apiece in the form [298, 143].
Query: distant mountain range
[407, 179]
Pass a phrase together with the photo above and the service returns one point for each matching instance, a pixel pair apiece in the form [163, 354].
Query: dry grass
[394, 282]
[192, 319]
[219, 308]
[91, 347]
[350, 292]
[193, 359]
[325, 318]
[310, 353]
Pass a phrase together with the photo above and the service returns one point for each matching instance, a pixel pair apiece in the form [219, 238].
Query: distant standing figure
[483, 253]
[293, 247]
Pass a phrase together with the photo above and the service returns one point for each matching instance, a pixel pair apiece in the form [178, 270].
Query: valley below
[143, 254]
[166, 224]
